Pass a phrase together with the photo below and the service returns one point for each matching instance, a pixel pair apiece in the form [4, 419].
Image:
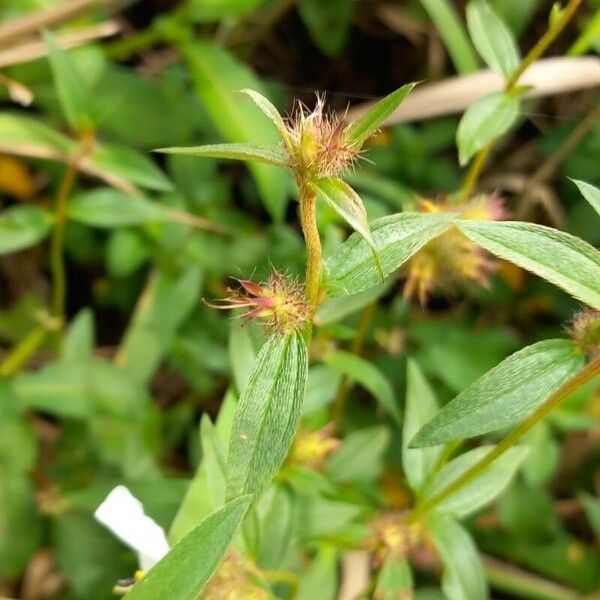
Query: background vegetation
[114, 372]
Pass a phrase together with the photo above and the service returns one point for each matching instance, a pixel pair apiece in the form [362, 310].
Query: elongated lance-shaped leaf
[347, 203]
[366, 125]
[562, 259]
[270, 111]
[270, 155]
[22, 227]
[505, 394]
[492, 38]
[421, 405]
[351, 268]
[71, 90]
[589, 192]
[463, 576]
[482, 489]
[186, 569]
[267, 414]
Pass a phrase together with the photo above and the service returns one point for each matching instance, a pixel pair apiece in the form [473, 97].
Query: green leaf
[206, 491]
[207, 11]
[105, 207]
[397, 238]
[338, 308]
[484, 121]
[463, 577]
[70, 87]
[367, 375]
[421, 405]
[270, 155]
[241, 353]
[365, 126]
[270, 112]
[560, 258]
[592, 512]
[217, 76]
[267, 414]
[505, 394]
[450, 28]
[30, 137]
[22, 227]
[361, 456]
[129, 164]
[482, 489]
[589, 192]
[328, 23]
[163, 305]
[492, 38]
[186, 569]
[80, 339]
[321, 578]
[394, 580]
[277, 520]
[347, 203]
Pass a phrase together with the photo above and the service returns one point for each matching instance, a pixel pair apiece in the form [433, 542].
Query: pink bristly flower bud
[280, 301]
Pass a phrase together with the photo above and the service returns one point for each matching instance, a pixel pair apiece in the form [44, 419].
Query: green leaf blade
[367, 375]
[267, 414]
[463, 573]
[484, 121]
[481, 490]
[347, 203]
[562, 259]
[22, 227]
[270, 155]
[421, 406]
[492, 38]
[184, 572]
[72, 92]
[505, 394]
[398, 237]
[590, 193]
[365, 126]
[217, 75]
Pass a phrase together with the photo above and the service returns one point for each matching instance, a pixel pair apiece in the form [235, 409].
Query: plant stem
[24, 349]
[585, 375]
[339, 402]
[526, 585]
[57, 264]
[543, 43]
[536, 52]
[308, 221]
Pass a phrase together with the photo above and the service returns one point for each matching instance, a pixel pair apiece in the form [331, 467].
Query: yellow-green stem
[308, 221]
[536, 52]
[57, 264]
[588, 373]
[24, 349]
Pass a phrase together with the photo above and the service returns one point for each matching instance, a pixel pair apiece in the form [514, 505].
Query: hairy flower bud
[317, 143]
[584, 330]
[280, 301]
[452, 260]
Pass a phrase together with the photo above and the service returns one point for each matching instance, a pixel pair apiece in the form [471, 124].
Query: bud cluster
[584, 330]
[452, 260]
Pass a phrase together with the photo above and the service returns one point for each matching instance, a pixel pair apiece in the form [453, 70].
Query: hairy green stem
[308, 222]
[536, 52]
[585, 375]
